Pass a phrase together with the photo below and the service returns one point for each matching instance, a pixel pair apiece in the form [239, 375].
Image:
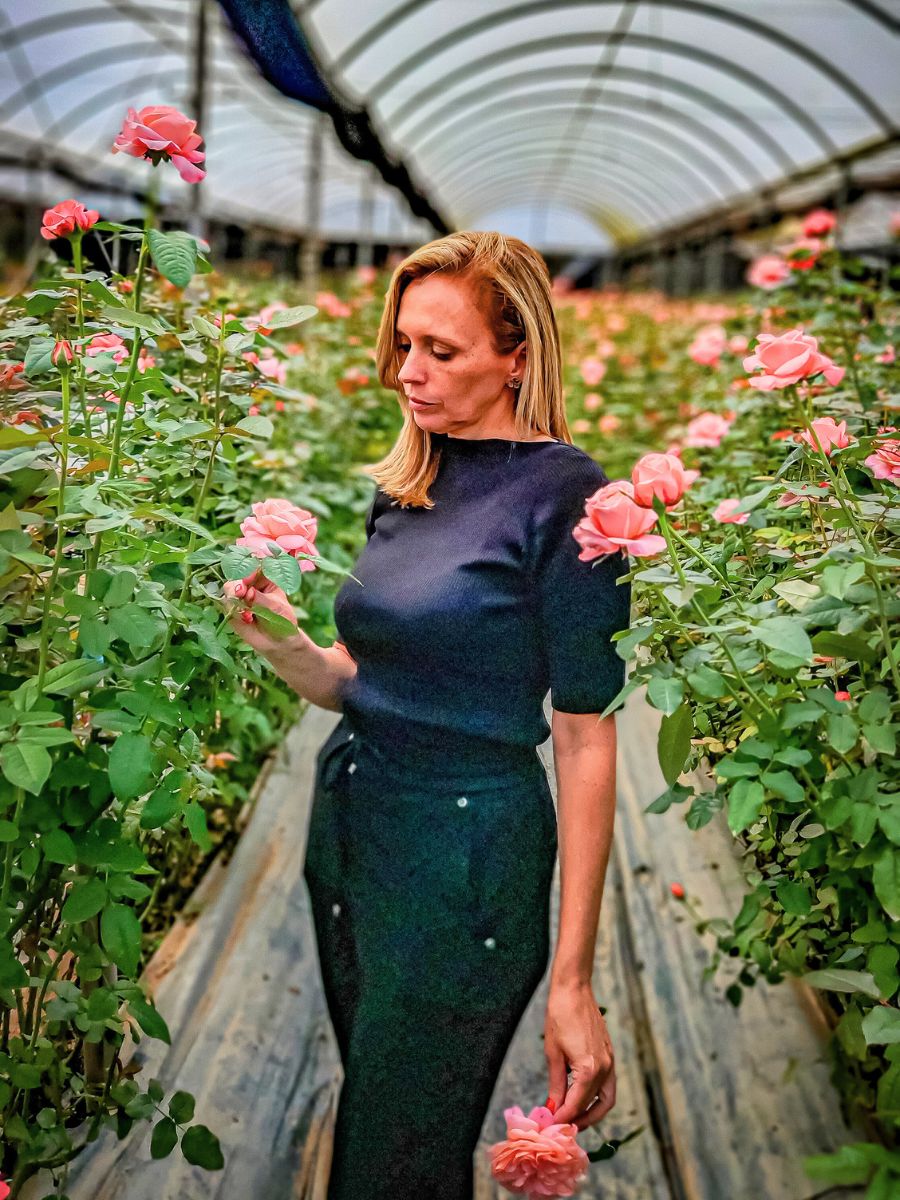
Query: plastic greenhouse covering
[573, 124]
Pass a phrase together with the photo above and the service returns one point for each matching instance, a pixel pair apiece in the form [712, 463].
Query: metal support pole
[311, 249]
[366, 255]
[197, 223]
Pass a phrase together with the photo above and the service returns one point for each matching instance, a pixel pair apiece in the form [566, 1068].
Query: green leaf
[200, 1146]
[286, 317]
[189, 429]
[881, 1025]
[835, 979]
[282, 570]
[787, 635]
[37, 356]
[58, 847]
[137, 626]
[844, 645]
[794, 898]
[195, 820]
[275, 623]
[204, 327]
[120, 315]
[257, 426]
[842, 732]
[160, 808]
[848, 1165]
[164, 1138]
[85, 900]
[131, 765]
[783, 784]
[149, 1019]
[26, 765]
[745, 801]
[886, 881]
[674, 742]
[120, 933]
[665, 693]
[174, 255]
[181, 1107]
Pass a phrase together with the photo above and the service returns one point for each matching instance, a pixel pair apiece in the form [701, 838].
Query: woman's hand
[576, 1038]
[256, 590]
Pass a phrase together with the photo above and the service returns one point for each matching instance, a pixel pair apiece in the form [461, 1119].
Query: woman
[433, 835]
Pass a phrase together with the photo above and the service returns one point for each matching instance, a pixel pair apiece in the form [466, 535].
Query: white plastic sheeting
[572, 123]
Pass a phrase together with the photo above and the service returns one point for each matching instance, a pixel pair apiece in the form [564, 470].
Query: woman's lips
[420, 403]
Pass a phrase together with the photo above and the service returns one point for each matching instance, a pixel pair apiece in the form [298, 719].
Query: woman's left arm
[575, 1034]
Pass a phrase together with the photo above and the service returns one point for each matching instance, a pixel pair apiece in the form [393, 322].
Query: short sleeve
[581, 604]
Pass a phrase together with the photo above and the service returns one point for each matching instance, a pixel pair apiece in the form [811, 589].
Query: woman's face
[446, 359]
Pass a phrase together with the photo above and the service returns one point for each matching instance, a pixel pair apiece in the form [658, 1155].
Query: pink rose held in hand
[786, 358]
[161, 133]
[614, 522]
[538, 1157]
[63, 219]
[292, 528]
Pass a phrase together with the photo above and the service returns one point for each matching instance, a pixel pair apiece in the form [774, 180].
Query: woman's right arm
[320, 674]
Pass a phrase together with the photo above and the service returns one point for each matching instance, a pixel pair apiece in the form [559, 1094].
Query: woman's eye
[442, 357]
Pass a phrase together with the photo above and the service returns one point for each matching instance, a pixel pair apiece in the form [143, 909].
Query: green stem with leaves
[78, 263]
[60, 532]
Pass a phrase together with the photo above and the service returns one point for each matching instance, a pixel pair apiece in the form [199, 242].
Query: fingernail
[250, 594]
[551, 1104]
[239, 589]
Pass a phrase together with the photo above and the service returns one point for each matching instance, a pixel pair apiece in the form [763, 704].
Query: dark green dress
[432, 838]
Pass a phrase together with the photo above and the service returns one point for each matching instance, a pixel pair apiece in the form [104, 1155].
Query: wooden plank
[251, 1036]
[746, 1090]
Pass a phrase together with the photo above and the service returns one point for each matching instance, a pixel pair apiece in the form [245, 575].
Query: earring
[515, 383]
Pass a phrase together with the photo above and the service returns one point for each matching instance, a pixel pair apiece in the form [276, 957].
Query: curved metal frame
[495, 192]
[566, 41]
[612, 222]
[672, 178]
[536, 7]
[449, 114]
[669, 139]
[646, 207]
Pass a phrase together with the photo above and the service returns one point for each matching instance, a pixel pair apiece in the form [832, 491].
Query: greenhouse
[449, 546]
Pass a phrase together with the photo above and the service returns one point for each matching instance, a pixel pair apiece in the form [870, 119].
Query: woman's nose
[410, 368]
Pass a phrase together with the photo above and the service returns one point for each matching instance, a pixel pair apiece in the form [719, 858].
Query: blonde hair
[511, 285]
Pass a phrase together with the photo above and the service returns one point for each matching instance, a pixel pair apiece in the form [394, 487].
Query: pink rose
[538, 1156]
[332, 304]
[592, 371]
[886, 356]
[63, 219]
[768, 271]
[280, 521]
[593, 401]
[737, 343]
[145, 360]
[706, 430]
[894, 224]
[803, 254]
[829, 433]
[662, 475]
[104, 343]
[708, 345]
[366, 275]
[819, 223]
[581, 425]
[786, 358]
[614, 522]
[885, 462]
[161, 133]
[725, 512]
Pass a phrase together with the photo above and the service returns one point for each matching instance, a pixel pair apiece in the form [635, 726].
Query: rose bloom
[829, 433]
[280, 521]
[886, 356]
[819, 223]
[581, 425]
[366, 275]
[145, 360]
[608, 423]
[538, 1156]
[9, 377]
[768, 271]
[592, 401]
[332, 304]
[614, 522]
[708, 345]
[162, 133]
[103, 343]
[63, 219]
[706, 430]
[592, 371]
[725, 514]
[885, 462]
[661, 475]
[787, 358]
[737, 343]
[803, 254]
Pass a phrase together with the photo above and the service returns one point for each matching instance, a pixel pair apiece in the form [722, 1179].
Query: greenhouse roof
[572, 123]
